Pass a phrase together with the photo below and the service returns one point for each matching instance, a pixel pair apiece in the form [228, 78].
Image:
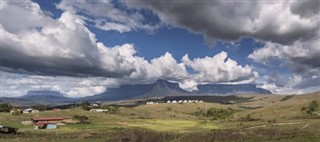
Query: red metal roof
[47, 119]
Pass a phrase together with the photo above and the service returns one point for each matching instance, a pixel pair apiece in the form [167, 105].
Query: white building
[99, 110]
[94, 105]
[174, 101]
[30, 110]
[150, 103]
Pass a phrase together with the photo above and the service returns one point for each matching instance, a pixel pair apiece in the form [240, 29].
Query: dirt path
[278, 124]
[305, 126]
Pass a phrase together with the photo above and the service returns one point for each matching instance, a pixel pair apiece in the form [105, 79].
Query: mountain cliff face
[126, 92]
[164, 88]
[226, 89]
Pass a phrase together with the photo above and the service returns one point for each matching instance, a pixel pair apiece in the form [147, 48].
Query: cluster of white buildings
[152, 103]
[184, 101]
[99, 110]
[175, 101]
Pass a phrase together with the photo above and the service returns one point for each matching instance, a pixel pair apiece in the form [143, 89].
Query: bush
[81, 118]
[16, 113]
[311, 108]
[111, 109]
[248, 118]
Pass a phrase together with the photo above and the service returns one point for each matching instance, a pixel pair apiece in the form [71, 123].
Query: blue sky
[167, 39]
[189, 42]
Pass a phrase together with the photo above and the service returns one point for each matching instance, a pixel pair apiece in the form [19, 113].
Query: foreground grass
[144, 135]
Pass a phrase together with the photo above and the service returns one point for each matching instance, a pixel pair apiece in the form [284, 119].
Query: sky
[83, 47]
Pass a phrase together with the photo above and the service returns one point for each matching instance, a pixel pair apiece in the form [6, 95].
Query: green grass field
[272, 118]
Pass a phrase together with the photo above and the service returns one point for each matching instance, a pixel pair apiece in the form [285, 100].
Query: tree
[5, 107]
[83, 104]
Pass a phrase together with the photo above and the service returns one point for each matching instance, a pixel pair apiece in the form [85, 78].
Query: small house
[30, 110]
[168, 102]
[94, 105]
[47, 122]
[174, 101]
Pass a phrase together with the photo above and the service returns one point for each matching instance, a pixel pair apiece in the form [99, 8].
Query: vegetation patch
[286, 98]
[216, 113]
[311, 108]
[248, 107]
[81, 118]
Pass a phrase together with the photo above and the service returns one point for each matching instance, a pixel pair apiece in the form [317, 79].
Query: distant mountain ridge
[46, 97]
[43, 92]
[161, 88]
[226, 89]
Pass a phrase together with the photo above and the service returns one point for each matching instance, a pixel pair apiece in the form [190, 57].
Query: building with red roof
[47, 122]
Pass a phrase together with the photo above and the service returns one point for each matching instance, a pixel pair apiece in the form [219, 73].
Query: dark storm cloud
[16, 59]
[305, 8]
[231, 20]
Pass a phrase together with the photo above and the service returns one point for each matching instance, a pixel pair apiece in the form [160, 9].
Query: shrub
[16, 113]
[81, 118]
[248, 118]
[111, 109]
[311, 108]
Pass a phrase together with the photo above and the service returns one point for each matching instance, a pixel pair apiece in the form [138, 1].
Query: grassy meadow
[263, 118]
